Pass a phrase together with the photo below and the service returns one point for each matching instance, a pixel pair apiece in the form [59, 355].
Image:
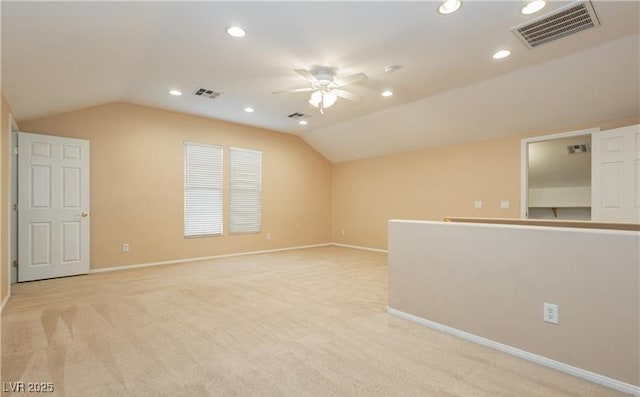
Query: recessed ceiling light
[449, 6]
[533, 7]
[236, 31]
[387, 93]
[502, 54]
[248, 109]
[175, 92]
[303, 122]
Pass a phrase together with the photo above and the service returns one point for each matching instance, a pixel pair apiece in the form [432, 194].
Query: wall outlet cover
[550, 313]
[477, 204]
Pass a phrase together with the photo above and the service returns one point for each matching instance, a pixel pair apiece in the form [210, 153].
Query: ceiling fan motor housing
[323, 74]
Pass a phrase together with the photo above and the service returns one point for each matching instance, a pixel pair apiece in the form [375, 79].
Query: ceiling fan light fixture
[324, 88]
[449, 6]
[328, 99]
[316, 98]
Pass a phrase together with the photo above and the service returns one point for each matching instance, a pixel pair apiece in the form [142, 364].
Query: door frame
[12, 232]
[13, 201]
[524, 162]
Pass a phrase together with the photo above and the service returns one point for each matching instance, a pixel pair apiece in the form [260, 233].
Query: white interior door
[615, 173]
[53, 206]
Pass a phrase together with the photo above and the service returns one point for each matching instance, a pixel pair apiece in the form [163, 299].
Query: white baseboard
[358, 247]
[4, 301]
[203, 258]
[541, 360]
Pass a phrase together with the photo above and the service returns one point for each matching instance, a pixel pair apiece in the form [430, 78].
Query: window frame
[220, 212]
[231, 190]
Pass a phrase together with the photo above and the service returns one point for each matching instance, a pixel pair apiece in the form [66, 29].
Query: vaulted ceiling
[61, 56]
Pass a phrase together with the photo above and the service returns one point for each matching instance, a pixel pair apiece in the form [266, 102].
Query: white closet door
[53, 206]
[615, 174]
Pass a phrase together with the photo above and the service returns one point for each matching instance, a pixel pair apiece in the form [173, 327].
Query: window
[245, 194]
[202, 190]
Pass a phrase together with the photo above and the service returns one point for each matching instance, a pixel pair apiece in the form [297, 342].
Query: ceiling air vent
[205, 93]
[580, 148]
[562, 22]
[297, 116]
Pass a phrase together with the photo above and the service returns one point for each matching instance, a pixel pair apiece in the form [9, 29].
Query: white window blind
[245, 191]
[202, 189]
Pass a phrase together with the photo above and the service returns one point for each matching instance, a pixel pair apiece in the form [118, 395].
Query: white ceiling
[60, 56]
[551, 165]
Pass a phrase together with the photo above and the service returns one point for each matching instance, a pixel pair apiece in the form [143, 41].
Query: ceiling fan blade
[306, 74]
[347, 95]
[306, 89]
[351, 79]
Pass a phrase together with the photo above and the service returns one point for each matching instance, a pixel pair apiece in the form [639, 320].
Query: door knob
[84, 214]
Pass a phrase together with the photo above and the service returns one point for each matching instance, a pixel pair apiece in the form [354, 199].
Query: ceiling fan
[325, 88]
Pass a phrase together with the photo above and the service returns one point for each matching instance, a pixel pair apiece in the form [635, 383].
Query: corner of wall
[5, 131]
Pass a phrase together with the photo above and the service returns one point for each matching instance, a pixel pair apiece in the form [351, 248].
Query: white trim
[358, 247]
[203, 258]
[4, 302]
[541, 360]
[524, 161]
[13, 128]
[12, 232]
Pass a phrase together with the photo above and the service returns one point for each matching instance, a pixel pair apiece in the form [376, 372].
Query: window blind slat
[202, 189]
[245, 191]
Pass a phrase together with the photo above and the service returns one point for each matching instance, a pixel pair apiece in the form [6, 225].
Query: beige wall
[5, 132]
[492, 281]
[429, 184]
[137, 183]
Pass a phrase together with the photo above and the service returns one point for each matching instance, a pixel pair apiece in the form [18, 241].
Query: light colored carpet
[296, 323]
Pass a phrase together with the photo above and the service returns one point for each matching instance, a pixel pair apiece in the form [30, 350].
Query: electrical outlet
[342, 231]
[125, 247]
[477, 204]
[550, 313]
[268, 236]
[505, 204]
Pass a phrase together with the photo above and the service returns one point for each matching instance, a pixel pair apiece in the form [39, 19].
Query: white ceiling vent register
[564, 21]
[297, 116]
[205, 93]
[579, 148]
